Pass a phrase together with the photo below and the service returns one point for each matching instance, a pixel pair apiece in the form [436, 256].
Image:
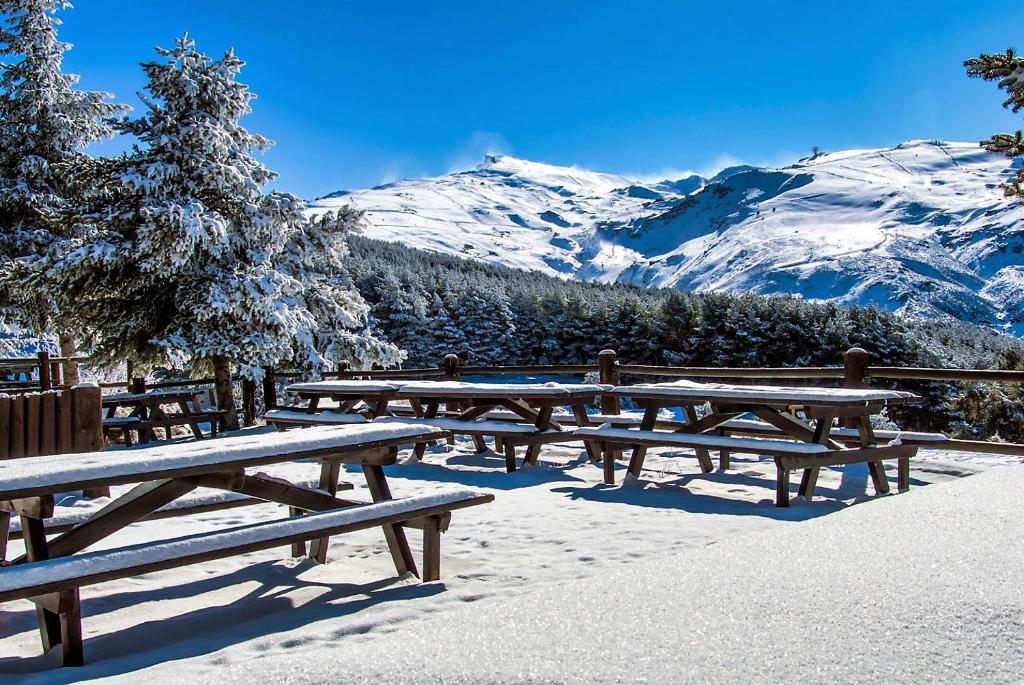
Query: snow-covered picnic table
[351, 395]
[167, 472]
[466, 406]
[146, 412]
[778, 409]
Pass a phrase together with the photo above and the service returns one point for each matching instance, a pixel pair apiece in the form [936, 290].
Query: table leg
[401, 554]
[781, 484]
[593, 450]
[329, 473]
[197, 433]
[34, 537]
[703, 455]
[542, 424]
[421, 447]
[5, 532]
[809, 478]
[636, 461]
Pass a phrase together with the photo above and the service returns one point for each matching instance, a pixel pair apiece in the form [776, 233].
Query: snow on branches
[1008, 70]
[184, 256]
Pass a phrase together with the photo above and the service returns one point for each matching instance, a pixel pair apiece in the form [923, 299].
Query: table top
[443, 389]
[35, 476]
[170, 395]
[343, 387]
[765, 394]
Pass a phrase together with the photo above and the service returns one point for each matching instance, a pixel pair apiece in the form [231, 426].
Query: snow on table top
[764, 393]
[51, 474]
[345, 387]
[325, 417]
[505, 390]
[65, 569]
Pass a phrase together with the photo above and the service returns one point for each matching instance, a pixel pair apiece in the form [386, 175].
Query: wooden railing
[856, 372]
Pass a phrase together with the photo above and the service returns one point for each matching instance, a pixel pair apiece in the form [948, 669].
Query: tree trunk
[225, 390]
[69, 349]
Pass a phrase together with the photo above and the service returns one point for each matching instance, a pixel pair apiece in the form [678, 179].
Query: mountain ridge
[921, 228]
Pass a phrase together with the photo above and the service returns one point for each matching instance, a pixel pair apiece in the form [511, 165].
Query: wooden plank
[87, 420]
[329, 473]
[72, 650]
[35, 507]
[851, 456]
[36, 550]
[33, 428]
[381, 452]
[141, 564]
[5, 427]
[65, 422]
[17, 428]
[48, 424]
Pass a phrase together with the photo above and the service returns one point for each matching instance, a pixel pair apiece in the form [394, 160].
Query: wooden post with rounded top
[608, 372]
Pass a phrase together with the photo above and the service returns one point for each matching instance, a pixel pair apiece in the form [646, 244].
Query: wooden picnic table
[467, 405]
[149, 408]
[167, 472]
[778, 407]
[349, 394]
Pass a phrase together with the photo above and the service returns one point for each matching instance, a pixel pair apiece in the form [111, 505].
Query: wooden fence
[855, 372]
[52, 422]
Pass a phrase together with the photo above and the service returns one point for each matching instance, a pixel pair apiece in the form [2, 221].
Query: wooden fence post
[138, 385]
[608, 371]
[855, 375]
[450, 365]
[855, 368]
[269, 388]
[44, 371]
[343, 369]
[249, 401]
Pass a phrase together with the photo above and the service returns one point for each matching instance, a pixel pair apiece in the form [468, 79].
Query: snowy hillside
[922, 228]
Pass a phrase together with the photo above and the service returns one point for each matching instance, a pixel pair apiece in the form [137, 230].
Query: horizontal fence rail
[809, 372]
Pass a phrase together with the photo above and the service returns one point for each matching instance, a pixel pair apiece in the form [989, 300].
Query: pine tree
[1008, 70]
[44, 124]
[182, 256]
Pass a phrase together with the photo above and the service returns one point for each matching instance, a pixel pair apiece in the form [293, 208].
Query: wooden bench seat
[54, 584]
[476, 427]
[285, 418]
[751, 427]
[788, 454]
[567, 418]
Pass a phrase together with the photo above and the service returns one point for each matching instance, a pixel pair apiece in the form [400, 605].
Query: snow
[768, 393]
[345, 386]
[458, 389]
[43, 473]
[140, 556]
[330, 417]
[457, 426]
[922, 228]
[677, 576]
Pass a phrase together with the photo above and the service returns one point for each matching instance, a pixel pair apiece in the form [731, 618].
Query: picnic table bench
[799, 443]
[147, 413]
[51, 571]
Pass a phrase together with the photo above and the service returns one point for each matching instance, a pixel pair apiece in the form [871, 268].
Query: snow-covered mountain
[922, 228]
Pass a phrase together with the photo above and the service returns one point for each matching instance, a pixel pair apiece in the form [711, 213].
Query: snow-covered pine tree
[44, 124]
[1008, 70]
[183, 256]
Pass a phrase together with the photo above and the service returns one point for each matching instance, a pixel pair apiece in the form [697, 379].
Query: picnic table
[350, 395]
[51, 571]
[778, 410]
[467, 406]
[148, 411]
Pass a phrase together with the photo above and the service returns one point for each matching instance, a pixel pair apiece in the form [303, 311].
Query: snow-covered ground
[922, 227]
[679, 576]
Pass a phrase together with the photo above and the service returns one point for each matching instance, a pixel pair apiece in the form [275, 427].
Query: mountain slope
[922, 228]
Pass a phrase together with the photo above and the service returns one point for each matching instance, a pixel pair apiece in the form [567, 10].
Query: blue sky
[355, 94]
